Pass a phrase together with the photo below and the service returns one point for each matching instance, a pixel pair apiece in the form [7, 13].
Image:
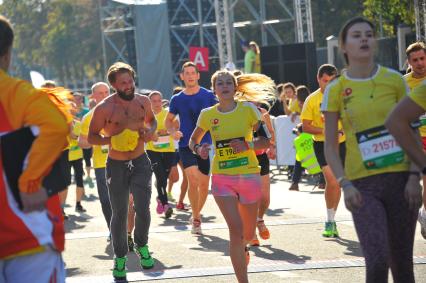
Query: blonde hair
[250, 87]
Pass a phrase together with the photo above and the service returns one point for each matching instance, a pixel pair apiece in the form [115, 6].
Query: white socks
[330, 214]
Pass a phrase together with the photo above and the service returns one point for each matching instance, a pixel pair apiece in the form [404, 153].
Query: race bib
[104, 148]
[227, 157]
[162, 142]
[378, 148]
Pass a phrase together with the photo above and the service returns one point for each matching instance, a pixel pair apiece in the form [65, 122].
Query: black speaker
[296, 63]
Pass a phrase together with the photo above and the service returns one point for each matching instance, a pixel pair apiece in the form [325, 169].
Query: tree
[388, 14]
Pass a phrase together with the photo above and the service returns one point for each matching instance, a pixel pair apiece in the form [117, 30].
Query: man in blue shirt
[188, 105]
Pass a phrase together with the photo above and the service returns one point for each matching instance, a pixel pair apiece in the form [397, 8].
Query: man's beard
[123, 95]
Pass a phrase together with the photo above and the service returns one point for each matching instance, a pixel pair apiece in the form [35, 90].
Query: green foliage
[63, 35]
[390, 14]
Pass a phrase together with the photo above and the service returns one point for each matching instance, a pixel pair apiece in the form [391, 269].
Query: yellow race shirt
[363, 105]
[100, 152]
[312, 111]
[294, 106]
[224, 127]
[412, 83]
[75, 151]
[418, 95]
[164, 143]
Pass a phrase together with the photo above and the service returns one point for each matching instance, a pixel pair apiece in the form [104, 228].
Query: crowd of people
[363, 124]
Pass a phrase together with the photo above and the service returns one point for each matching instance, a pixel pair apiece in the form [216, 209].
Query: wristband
[195, 148]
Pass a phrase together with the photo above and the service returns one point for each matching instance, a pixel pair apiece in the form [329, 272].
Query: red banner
[200, 56]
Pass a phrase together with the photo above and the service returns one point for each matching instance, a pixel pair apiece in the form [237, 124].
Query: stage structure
[199, 22]
[420, 13]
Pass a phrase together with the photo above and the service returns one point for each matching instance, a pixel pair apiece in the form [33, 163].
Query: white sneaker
[422, 220]
[196, 227]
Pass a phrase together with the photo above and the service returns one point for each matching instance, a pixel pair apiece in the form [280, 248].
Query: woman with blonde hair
[236, 182]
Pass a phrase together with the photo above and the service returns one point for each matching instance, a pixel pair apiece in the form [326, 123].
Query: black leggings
[161, 162]
[385, 227]
[77, 165]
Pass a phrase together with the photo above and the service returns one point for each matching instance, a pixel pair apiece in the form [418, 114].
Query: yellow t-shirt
[312, 111]
[418, 95]
[75, 151]
[164, 143]
[224, 127]
[294, 106]
[100, 152]
[363, 105]
[412, 83]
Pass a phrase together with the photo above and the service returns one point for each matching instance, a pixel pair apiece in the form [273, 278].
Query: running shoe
[335, 231]
[160, 207]
[146, 260]
[247, 251]
[329, 230]
[263, 230]
[119, 271]
[255, 242]
[90, 182]
[130, 242]
[196, 226]
[181, 207]
[170, 197]
[168, 210]
[79, 208]
[294, 187]
[422, 221]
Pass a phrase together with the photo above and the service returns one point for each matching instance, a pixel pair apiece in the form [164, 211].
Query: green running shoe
[335, 231]
[329, 230]
[119, 271]
[146, 260]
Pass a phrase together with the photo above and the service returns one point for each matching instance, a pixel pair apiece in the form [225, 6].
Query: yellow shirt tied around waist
[224, 127]
[100, 152]
[413, 83]
[312, 111]
[127, 140]
[363, 105]
[164, 143]
[75, 152]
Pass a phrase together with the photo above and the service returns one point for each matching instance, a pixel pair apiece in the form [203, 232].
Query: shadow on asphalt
[73, 222]
[275, 212]
[209, 243]
[352, 247]
[277, 254]
[72, 271]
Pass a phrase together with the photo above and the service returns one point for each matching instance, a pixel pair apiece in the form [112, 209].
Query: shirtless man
[127, 121]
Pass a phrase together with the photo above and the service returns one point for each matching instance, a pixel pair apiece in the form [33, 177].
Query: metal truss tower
[117, 27]
[304, 30]
[199, 22]
[223, 29]
[420, 13]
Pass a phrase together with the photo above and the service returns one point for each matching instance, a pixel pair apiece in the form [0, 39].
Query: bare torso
[115, 115]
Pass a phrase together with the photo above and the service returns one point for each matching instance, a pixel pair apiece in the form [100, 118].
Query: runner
[75, 162]
[127, 121]
[100, 91]
[313, 123]
[188, 105]
[31, 237]
[416, 56]
[263, 156]
[407, 112]
[161, 152]
[377, 173]
[236, 183]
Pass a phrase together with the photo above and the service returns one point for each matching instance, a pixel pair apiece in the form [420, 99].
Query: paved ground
[296, 251]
